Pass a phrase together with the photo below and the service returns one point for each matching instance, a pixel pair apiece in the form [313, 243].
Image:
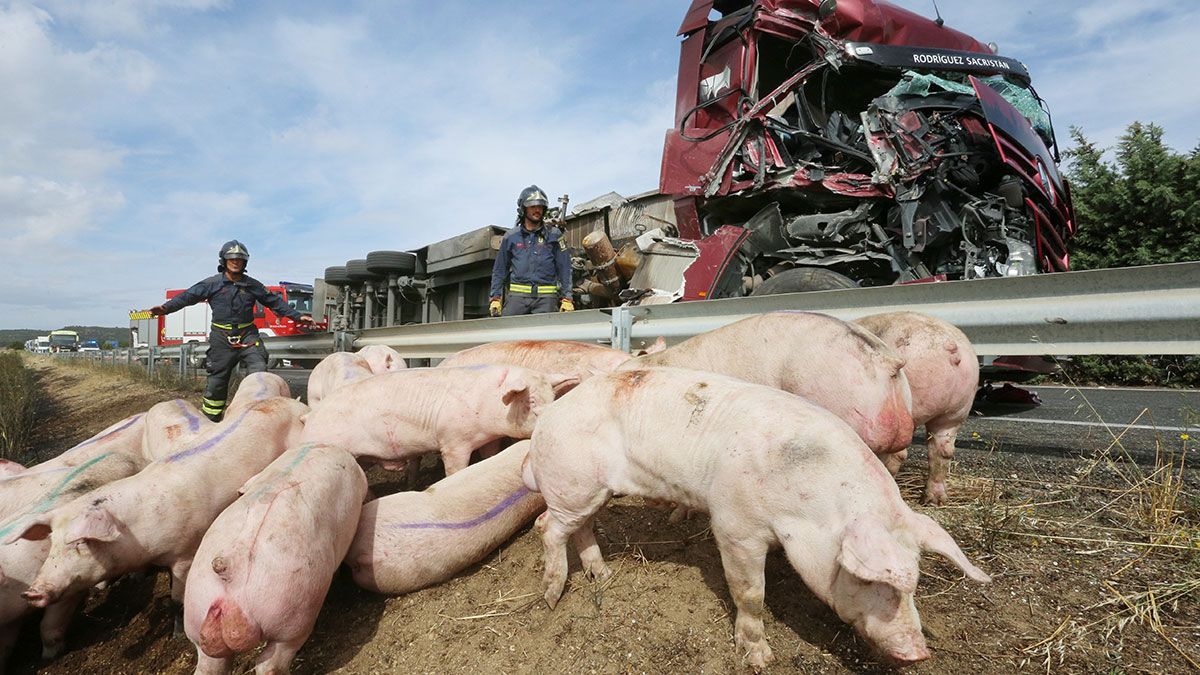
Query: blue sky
[137, 135]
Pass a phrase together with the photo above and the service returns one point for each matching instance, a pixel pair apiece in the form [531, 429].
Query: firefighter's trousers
[520, 303]
[222, 359]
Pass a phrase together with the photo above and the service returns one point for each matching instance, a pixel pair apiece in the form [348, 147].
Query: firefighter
[533, 262]
[231, 296]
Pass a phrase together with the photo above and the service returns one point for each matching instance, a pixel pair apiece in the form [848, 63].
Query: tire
[358, 272]
[336, 276]
[803, 279]
[401, 263]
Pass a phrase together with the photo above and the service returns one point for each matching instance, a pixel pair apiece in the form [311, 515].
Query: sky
[138, 135]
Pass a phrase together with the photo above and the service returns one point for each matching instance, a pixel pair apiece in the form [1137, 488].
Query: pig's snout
[39, 596]
[904, 649]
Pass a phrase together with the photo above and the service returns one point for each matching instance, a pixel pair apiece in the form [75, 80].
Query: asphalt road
[1080, 420]
[1069, 421]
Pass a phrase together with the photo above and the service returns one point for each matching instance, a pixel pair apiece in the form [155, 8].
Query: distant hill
[100, 334]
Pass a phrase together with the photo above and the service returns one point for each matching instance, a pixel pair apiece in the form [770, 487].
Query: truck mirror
[826, 9]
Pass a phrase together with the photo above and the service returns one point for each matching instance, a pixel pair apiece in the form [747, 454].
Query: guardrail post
[184, 350]
[150, 354]
[343, 341]
[622, 327]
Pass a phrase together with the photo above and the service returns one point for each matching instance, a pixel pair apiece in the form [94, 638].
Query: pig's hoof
[552, 598]
[757, 654]
[935, 495]
[51, 650]
[597, 571]
[177, 629]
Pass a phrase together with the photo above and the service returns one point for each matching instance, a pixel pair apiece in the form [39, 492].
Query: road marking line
[1114, 426]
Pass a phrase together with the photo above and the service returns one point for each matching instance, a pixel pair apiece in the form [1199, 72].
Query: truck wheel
[401, 263]
[802, 279]
[358, 272]
[336, 276]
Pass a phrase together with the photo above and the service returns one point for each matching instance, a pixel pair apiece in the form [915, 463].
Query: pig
[20, 489]
[342, 368]
[293, 523]
[256, 387]
[579, 359]
[397, 417]
[943, 373]
[10, 468]
[771, 468]
[835, 364]
[411, 540]
[169, 425]
[21, 560]
[158, 516]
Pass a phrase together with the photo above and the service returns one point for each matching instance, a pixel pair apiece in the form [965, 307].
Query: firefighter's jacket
[532, 259]
[232, 302]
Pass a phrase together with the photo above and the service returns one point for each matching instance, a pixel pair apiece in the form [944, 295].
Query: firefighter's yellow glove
[494, 307]
[566, 305]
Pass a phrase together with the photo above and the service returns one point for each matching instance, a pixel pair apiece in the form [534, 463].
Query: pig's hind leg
[276, 658]
[745, 560]
[942, 434]
[559, 524]
[589, 551]
[209, 665]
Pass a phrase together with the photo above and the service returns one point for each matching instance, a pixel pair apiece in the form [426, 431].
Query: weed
[17, 398]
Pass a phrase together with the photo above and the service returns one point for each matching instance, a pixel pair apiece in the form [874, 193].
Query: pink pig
[771, 468]
[835, 364]
[342, 368]
[943, 373]
[158, 516]
[264, 567]
[549, 356]
[411, 540]
[168, 426]
[253, 388]
[18, 490]
[10, 468]
[21, 560]
[396, 417]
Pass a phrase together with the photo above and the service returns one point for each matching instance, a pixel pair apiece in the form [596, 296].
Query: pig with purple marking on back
[343, 368]
[410, 540]
[158, 516]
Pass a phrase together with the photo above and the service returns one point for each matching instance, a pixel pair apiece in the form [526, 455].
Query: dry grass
[18, 398]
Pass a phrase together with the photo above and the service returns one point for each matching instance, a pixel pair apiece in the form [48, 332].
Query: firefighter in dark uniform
[533, 263]
[231, 296]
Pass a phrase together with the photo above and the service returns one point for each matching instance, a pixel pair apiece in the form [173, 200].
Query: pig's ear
[871, 553]
[512, 387]
[250, 484]
[34, 528]
[660, 344]
[562, 383]
[96, 524]
[932, 537]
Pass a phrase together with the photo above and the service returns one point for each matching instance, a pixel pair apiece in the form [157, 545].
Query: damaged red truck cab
[854, 143]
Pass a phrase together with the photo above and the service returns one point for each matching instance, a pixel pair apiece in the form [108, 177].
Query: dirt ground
[1095, 562]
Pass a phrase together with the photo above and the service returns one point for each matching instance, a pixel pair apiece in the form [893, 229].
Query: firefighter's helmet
[530, 196]
[231, 250]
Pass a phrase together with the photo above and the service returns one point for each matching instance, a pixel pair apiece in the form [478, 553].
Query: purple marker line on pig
[208, 444]
[192, 420]
[492, 513]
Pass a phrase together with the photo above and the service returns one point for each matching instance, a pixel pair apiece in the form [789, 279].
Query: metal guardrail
[1136, 310]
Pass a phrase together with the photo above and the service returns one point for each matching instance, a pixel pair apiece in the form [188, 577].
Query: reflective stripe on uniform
[224, 326]
[212, 407]
[527, 288]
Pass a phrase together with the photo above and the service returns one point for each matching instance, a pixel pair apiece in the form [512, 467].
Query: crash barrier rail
[1136, 310]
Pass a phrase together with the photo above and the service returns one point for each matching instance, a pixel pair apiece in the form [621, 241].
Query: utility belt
[528, 289]
[235, 333]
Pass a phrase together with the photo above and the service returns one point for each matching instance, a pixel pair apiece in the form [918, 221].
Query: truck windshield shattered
[856, 143]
